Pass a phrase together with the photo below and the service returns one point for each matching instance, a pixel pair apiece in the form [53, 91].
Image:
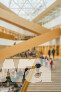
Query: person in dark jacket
[49, 52]
[38, 65]
[53, 52]
[14, 43]
[26, 69]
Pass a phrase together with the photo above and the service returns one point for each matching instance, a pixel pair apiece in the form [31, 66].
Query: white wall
[8, 42]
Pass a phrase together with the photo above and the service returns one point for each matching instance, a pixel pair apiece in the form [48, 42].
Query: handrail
[26, 83]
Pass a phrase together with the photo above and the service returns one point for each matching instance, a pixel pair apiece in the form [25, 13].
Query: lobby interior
[30, 35]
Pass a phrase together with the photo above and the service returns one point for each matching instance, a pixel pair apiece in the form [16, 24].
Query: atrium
[30, 45]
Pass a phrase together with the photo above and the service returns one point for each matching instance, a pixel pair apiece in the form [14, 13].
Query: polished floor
[54, 86]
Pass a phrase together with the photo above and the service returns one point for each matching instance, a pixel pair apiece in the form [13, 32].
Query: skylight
[27, 9]
[52, 15]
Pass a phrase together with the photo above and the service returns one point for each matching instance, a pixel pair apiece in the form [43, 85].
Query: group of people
[44, 61]
[27, 54]
[51, 52]
[30, 53]
[47, 61]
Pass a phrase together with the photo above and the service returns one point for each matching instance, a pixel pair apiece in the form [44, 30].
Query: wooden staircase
[54, 86]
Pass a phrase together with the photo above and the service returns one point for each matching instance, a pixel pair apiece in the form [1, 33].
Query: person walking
[14, 43]
[53, 52]
[26, 69]
[49, 52]
[38, 65]
[51, 63]
[41, 59]
[46, 61]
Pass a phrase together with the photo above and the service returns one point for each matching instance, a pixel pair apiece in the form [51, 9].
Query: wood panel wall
[6, 36]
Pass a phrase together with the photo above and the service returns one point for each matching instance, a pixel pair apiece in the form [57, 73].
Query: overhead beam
[44, 13]
[6, 8]
[6, 36]
[22, 23]
[21, 47]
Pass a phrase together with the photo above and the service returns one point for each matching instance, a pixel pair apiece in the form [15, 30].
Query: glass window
[27, 9]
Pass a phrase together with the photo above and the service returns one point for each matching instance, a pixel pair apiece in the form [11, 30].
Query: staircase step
[54, 86]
